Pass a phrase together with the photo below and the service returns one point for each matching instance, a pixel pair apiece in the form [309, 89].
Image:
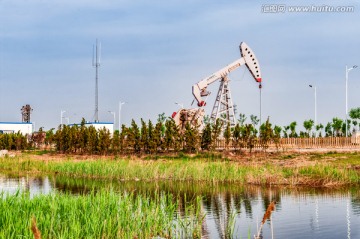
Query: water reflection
[33, 185]
[299, 212]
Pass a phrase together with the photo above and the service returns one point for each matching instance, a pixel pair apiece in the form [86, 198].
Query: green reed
[102, 214]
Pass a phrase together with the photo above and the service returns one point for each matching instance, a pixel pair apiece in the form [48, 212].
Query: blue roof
[15, 123]
[87, 123]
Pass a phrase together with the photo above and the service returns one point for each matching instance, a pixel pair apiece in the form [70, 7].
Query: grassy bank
[104, 214]
[312, 169]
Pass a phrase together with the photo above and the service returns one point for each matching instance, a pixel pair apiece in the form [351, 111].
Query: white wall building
[14, 127]
[99, 125]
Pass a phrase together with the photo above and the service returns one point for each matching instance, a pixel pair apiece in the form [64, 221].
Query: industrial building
[15, 127]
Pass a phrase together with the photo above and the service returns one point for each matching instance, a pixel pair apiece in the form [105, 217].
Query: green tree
[249, 136]
[255, 121]
[49, 137]
[337, 126]
[206, 120]
[104, 141]
[19, 140]
[172, 138]
[124, 142]
[92, 144]
[191, 138]
[285, 131]
[76, 138]
[151, 136]
[241, 119]
[277, 135]
[84, 136]
[161, 119]
[292, 127]
[227, 135]
[319, 128]
[236, 135]
[355, 115]
[308, 125]
[277, 131]
[158, 136]
[355, 123]
[115, 142]
[328, 130]
[134, 137]
[266, 134]
[38, 138]
[144, 137]
[216, 131]
[206, 139]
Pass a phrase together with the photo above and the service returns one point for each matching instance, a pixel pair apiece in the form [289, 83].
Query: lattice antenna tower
[96, 64]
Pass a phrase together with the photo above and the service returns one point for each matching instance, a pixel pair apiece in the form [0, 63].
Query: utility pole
[61, 116]
[346, 97]
[120, 104]
[113, 113]
[315, 122]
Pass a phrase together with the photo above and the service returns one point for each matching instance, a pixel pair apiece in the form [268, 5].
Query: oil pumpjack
[223, 108]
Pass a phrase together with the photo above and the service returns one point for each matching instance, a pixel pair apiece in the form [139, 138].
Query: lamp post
[346, 96]
[61, 116]
[311, 86]
[113, 113]
[180, 104]
[120, 106]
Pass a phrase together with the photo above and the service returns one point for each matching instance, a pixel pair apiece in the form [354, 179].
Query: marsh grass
[102, 214]
[322, 173]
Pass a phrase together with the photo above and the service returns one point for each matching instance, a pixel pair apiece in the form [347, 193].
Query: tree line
[165, 136]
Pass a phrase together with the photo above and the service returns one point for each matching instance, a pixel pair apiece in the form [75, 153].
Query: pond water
[299, 212]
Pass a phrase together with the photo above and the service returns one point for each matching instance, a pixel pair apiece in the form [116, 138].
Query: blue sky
[154, 51]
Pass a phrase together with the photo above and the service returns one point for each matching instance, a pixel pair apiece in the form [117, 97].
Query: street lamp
[61, 116]
[113, 113]
[346, 95]
[180, 104]
[120, 104]
[311, 86]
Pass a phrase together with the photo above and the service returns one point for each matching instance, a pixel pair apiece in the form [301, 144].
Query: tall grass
[104, 214]
[322, 174]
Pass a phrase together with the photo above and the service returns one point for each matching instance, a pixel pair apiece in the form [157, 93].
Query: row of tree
[336, 128]
[165, 135]
[149, 138]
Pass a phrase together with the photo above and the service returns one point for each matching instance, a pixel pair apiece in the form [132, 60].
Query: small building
[15, 127]
[99, 125]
